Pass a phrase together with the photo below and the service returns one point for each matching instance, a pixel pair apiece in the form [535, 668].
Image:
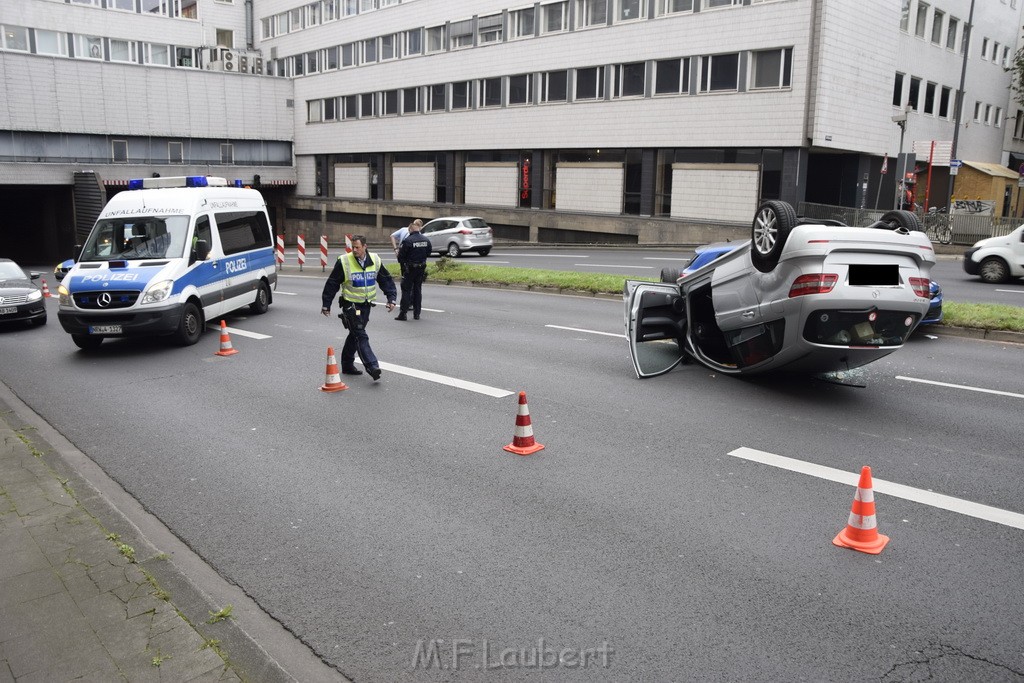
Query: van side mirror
[77, 253]
[202, 250]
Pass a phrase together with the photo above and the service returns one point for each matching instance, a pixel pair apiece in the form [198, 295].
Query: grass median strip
[978, 316]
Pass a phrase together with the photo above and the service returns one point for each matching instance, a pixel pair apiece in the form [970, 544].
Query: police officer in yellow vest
[358, 274]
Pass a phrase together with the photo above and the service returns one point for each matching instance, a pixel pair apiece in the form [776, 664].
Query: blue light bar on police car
[177, 181]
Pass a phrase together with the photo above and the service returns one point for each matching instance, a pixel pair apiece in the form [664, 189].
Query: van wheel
[262, 302]
[86, 341]
[190, 327]
[993, 270]
[772, 224]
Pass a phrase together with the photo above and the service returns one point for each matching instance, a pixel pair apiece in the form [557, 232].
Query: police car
[167, 255]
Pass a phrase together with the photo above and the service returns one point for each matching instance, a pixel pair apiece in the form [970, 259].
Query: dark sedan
[20, 299]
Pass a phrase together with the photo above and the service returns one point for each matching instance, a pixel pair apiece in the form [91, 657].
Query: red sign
[525, 193]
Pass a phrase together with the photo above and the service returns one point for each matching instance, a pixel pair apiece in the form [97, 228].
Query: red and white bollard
[348, 244]
[323, 253]
[279, 252]
[302, 252]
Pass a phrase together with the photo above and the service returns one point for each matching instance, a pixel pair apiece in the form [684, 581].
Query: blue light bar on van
[135, 184]
[195, 181]
[238, 182]
[177, 181]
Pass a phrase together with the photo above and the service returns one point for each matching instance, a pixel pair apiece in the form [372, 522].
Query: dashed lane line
[938, 500]
[577, 329]
[965, 387]
[247, 333]
[443, 379]
[613, 265]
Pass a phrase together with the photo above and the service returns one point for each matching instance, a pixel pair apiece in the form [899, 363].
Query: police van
[167, 255]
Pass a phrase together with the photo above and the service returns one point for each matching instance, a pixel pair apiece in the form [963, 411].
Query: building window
[156, 54]
[944, 102]
[123, 5]
[897, 91]
[922, 19]
[490, 92]
[712, 4]
[937, 20]
[225, 37]
[295, 20]
[331, 58]
[331, 109]
[390, 103]
[555, 86]
[555, 17]
[460, 34]
[435, 39]
[350, 107]
[951, 30]
[123, 51]
[988, 114]
[672, 76]
[414, 41]
[489, 29]
[590, 83]
[629, 80]
[367, 5]
[984, 48]
[119, 151]
[410, 100]
[330, 10]
[591, 13]
[460, 95]
[314, 110]
[298, 65]
[771, 68]
[630, 10]
[367, 105]
[185, 56]
[350, 7]
[91, 47]
[51, 43]
[719, 73]
[312, 14]
[437, 97]
[678, 6]
[312, 62]
[914, 98]
[174, 153]
[349, 54]
[520, 89]
[523, 23]
[369, 51]
[995, 52]
[977, 112]
[929, 97]
[15, 38]
[1006, 57]
[905, 15]
[389, 47]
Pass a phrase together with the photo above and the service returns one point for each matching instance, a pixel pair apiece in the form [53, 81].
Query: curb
[1002, 336]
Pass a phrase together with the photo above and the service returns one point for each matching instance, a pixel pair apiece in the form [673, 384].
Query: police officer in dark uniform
[413, 256]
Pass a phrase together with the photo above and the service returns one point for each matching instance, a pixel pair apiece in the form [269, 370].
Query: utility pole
[960, 101]
[901, 121]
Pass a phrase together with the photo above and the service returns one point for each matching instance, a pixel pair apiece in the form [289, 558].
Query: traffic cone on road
[46, 290]
[225, 342]
[333, 381]
[861, 532]
[522, 442]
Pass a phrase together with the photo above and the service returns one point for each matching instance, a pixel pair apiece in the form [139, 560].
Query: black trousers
[412, 288]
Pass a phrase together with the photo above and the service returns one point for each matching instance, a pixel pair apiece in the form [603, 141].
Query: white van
[167, 255]
[996, 259]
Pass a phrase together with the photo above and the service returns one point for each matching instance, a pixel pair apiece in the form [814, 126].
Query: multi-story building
[560, 120]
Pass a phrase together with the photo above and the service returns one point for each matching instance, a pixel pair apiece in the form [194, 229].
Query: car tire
[485, 251]
[190, 327]
[994, 270]
[262, 302]
[770, 230]
[86, 341]
[669, 274]
[901, 219]
[453, 250]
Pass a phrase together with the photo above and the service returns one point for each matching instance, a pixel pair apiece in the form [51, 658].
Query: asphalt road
[385, 523]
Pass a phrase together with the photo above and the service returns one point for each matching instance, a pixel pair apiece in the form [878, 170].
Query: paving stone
[125, 639]
[142, 605]
[5, 672]
[22, 561]
[56, 645]
[108, 576]
[29, 586]
[105, 610]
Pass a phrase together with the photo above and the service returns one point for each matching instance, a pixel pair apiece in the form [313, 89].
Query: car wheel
[453, 250]
[669, 274]
[901, 219]
[772, 224]
[262, 302]
[485, 251]
[993, 270]
[190, 327]
[87, 342]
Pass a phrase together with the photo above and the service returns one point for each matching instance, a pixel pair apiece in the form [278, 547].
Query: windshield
[149, 237]
[10, 271]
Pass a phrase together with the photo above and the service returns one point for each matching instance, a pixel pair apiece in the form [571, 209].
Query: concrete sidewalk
[85, 595]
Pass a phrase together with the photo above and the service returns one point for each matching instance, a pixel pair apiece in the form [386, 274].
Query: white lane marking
[442, 379]
[577, 329]
[286, 293]
[433, 310]
[1011, 291]
[961, 386]
[489, 262]
[246, 333]
[959, 505]
[549, 255]
[663, 258]
[611, 265]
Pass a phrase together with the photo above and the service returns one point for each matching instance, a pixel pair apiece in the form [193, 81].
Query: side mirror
[33, 276]
[202, 250]
[78, 253]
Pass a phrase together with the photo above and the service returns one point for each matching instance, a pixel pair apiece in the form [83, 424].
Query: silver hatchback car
[457, 234]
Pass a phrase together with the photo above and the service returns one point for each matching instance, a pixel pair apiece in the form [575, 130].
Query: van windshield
[138, 237]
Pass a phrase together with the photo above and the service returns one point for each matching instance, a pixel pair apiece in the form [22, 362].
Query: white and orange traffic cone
[46, 290]
[225, 342]
[861, 532]
[333, 381]
[522, 442]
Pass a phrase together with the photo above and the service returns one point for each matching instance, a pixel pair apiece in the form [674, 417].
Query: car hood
[134, 276]
[16, 285]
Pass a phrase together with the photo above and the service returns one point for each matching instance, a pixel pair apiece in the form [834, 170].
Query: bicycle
[936, 225]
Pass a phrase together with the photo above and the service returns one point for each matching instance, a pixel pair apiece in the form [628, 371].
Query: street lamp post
[960, 101]
[901, 121]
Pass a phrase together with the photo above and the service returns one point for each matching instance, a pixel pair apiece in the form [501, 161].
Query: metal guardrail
[967, 229]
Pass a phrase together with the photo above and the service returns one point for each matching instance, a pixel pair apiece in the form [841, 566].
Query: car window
[476, 223]
[432, 226]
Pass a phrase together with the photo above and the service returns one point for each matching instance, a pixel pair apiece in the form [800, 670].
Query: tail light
[465, 231]
[815, 283]
[922, 286]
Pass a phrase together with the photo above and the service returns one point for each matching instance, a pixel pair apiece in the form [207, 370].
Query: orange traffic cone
[333, 381]
[225, 342]
[861, 532]
[522, 442]
[46, 290]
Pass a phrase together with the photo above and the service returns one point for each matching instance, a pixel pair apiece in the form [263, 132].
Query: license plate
[105, 329]
[8, 311]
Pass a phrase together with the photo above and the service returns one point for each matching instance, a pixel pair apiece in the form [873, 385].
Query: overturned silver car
[802, 295]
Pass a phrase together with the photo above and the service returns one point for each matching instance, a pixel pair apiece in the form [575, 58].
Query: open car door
[655, 326]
